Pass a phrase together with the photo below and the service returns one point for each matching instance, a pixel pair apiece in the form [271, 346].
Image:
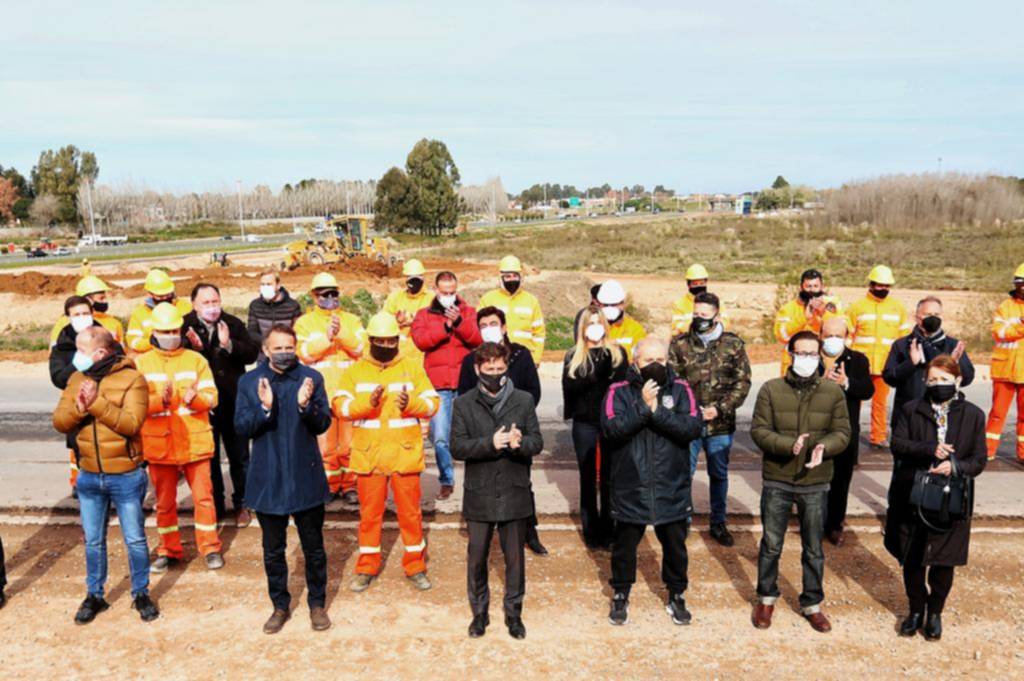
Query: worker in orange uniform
[804, 313]
[524, 319]
[625, 331]
[1008, 366]
[330, 340]
[875, 322]
[177, 437]
[386, 395]
[405, 303]
[159, 289]
[94, 290]
[682, 309]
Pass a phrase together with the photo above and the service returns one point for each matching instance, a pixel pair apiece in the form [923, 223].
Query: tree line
[50, 193]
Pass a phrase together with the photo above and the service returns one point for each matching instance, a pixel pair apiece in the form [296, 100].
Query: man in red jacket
[445, 332]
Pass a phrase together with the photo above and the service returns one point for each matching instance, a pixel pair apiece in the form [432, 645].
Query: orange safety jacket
[315, 350]
[627, 333]
[140, 326]
[1008, 334]
[682, 315]
[107, 321]
[875, 324]
[792, 318]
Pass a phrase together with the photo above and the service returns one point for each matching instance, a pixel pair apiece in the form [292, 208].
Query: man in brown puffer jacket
[103, 408]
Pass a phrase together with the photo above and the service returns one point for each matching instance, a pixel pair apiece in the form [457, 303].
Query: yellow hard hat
[696, 271]
[158, 282]
[323, 280]
[382, 325]
[881, 274]
[413, 268]
[166, 317]
[510, 263]
[90, 284]
[1019, 274]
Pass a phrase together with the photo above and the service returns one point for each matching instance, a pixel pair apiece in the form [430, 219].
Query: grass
[559, 333]
[361, 303]
[28, 338]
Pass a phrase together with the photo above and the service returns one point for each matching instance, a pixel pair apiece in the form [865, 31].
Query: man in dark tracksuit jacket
[649, 421]
[273, 306]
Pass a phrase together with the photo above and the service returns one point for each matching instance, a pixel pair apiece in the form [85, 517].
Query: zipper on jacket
[96, 444]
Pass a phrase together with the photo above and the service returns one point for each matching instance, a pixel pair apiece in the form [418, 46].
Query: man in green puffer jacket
[800, 424]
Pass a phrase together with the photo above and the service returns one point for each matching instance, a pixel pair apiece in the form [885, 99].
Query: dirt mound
[36, 283]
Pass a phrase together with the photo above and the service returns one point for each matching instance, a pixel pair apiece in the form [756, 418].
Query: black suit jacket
[227, 367]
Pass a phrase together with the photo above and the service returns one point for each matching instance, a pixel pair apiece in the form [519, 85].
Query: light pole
[88, 199]
[241, 223]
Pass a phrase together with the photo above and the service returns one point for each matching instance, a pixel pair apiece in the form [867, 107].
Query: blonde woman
[590, 368]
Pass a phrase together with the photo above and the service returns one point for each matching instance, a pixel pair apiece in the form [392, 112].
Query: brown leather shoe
[762, 617]
[836, 537]
[243, 519]
[276, 621]
[446, 491]
[819, 622]
[319, 620]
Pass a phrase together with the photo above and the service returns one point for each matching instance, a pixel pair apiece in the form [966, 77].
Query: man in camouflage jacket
[714, 363]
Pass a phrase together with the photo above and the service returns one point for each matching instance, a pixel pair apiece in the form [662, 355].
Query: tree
[45, 210]
[780, 182]
[434, 177]
[395, 205]
[58, 174]
[18, 180]
[8, 197]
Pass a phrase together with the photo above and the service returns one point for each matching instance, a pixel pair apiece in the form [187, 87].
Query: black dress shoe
[516, 628]
[533, 543]
[478, 627]
[3, 598]
[910, 625]
[720, 533]
[146, 607]
[90, 607]
[933, 627]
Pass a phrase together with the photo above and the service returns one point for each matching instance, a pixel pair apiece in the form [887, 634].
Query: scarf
[497, 402]
[712, 335]
[100, 369]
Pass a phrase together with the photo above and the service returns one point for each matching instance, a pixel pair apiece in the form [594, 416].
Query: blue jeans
[96, 492]
[716, 453]
[440, 429]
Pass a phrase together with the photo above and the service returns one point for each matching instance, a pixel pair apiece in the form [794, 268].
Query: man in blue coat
[282, 407]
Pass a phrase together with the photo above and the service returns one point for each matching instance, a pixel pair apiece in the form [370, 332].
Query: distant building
[744, 204]
[721, 203]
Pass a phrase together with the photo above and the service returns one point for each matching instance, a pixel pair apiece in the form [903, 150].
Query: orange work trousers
[335, 447]
[165, 480]
[73, 476]
[879, 411]
[1003, 393]
[373, 493]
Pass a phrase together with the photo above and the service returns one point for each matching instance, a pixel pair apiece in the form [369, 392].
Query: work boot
[619, 614]
[90, 607]
[215, 561]
[276, 621]
[720, 533]
[360, 583]
[420, 581]
[516, 628]
[243, 519]
[478, 627]
[318, 619]
[162, 564]
[350, 497]
[146, 607]
[910, 625]
[446, 491]
[677, 609]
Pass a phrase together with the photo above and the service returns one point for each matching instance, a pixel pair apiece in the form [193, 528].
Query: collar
[799, 382]
[293, 374]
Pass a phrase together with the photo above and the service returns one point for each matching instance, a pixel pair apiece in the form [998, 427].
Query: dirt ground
[211, 621]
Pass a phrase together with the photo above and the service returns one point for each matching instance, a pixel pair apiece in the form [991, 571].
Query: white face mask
[81, 323]
[805, 367]
[611, 313]
[833, 345]
[492, 334]
[447, 300]
[594, 332]
[268, 292]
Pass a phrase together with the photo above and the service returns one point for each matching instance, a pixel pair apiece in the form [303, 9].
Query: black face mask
[492, 383]
[100, 307]
[655, 372]
[512, 285]
[414, 285]
[697, 290]
[284, 361]
[882, 293]
[808, 296]
[383, 354]
[942, 392]
[931, 324]
[1018, 290]
[701, 325]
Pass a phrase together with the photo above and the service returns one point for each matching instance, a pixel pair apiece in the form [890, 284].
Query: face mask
[210, 314]
[284, 360]
[941, 392]
[701, 325]
[879, 292]
[612, 314]
[807, 296]
[492, 383]
[655, 372]
[152, 302]
[805, 367]
[447, 300]
[328, 303]
[697, 290]
[594, 332]
[82, 323]
[81, 361]
[268, 292]
[1018, 289]
[383, 354]
[931, 324]
[492, 334]
[414, 285]
[100, 307]
[512, 285]
[167, 342]
[833, 345]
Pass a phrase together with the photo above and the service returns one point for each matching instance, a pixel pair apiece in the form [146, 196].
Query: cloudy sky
[710, 96]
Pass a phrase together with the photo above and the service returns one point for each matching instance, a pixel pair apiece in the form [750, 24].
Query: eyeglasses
[327, 294]
[806, 355]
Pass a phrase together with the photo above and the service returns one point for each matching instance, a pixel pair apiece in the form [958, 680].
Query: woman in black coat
[942, 433]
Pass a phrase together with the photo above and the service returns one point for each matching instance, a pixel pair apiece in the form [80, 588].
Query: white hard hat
[611, 293]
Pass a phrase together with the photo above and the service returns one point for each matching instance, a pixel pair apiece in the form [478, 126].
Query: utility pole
[88, 200]
[940, 165]
[241, 222]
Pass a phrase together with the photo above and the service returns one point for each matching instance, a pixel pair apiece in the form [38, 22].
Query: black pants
[237, 449]
[596, 521]
[512, 535]
[3, 568]
[310, 524]
[839, 490]
[674, 561]
[927, 586]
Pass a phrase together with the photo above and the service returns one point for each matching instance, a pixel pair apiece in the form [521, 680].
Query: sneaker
[720, 533]
[360, 583]
[162, 564]
[146, 607]
[90, 607]
[215, 561]
[619, 614]
[350, 497]
[420, 581]
[677, 609]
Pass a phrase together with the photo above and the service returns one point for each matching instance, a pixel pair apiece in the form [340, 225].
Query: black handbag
[941, 499]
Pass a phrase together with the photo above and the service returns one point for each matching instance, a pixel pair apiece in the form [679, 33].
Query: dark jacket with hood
[264, 314]
[858, 371]
[908, 378]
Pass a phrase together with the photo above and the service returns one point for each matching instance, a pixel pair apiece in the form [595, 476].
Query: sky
[699, 97]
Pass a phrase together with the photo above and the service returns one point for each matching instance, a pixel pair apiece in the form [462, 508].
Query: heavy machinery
[339, 238]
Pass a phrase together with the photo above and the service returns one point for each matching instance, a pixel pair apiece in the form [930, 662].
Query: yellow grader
[342, 237]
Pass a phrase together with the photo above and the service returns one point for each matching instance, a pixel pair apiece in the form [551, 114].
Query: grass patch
[559, 333]
[30, 338]
[361, 303]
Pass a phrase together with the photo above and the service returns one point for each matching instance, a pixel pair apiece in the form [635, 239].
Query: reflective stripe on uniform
[205, 528]
[993, 436]
[524, 310]
[185, 375]
[167, 530]
[203, 385]
[624, 341]
[522, 334]
[890, 317]
[367, 423]
[397, 387]
[134, 332]
[867, 317]
[1007, 346]
[865, 340]
[539, 339]
[185, 411]
[162, 413]
[155, 377]
[402, 423]
[539, 322]
[887, 341]
[332, 472]
[369, 549]
[365, 387]
[416, 548]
